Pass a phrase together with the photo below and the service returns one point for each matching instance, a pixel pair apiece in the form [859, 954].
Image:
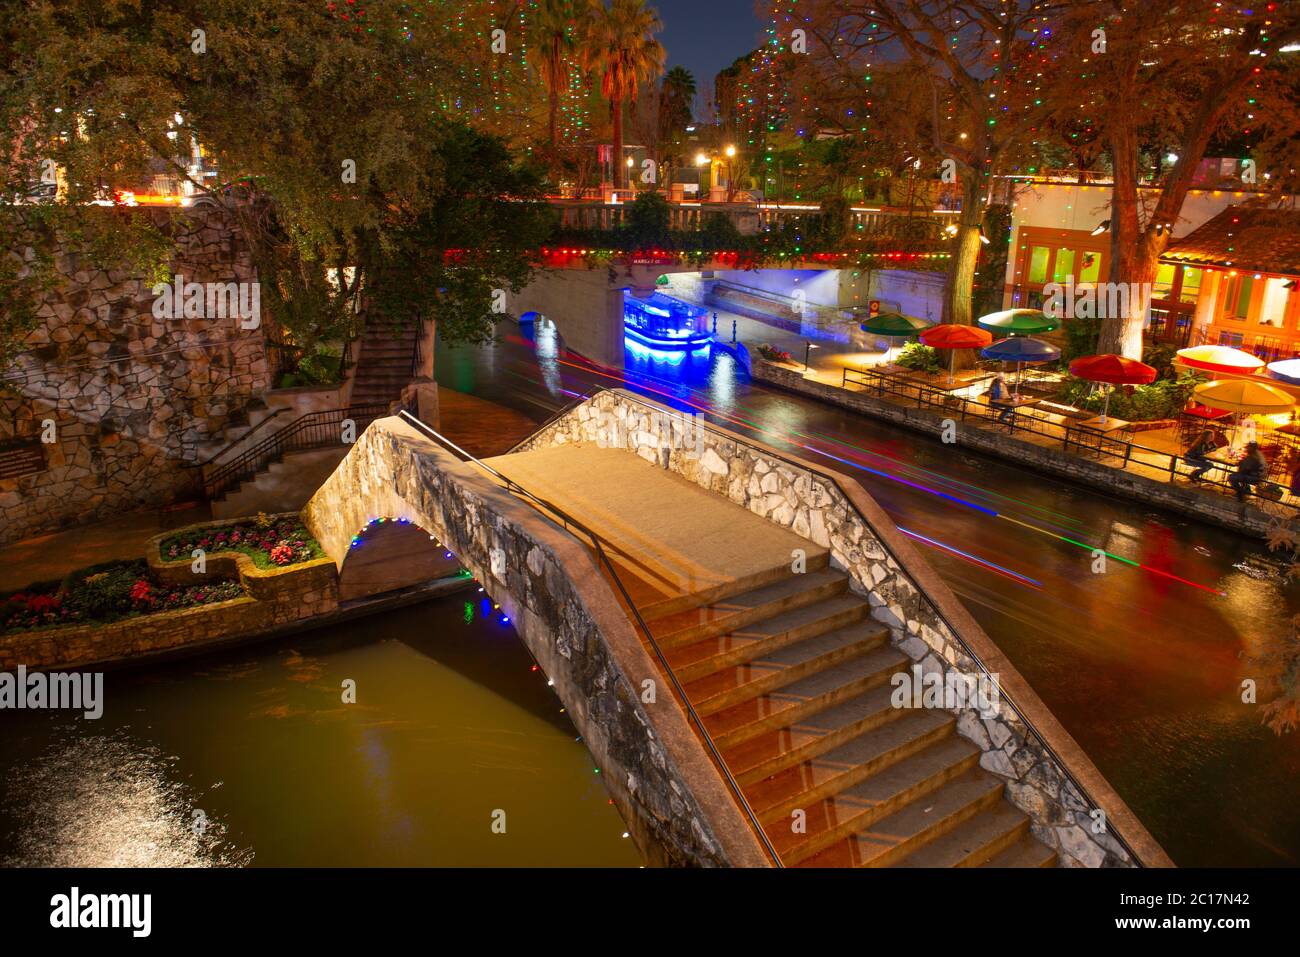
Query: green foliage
[103, 592]
[1163, 399]
[919, 357]
[648, 221]
[1081, 336]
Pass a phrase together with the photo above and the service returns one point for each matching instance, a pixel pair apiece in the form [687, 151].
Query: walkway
[789, 672]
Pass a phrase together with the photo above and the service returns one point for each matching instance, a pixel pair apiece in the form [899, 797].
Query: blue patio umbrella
[1021, 350]
[1287, 370]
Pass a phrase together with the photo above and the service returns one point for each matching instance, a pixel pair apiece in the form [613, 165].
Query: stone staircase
[385, 361]
[791, 677]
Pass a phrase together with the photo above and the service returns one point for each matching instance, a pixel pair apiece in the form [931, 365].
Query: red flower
[282, 554]
[142, 593]
[40, 604]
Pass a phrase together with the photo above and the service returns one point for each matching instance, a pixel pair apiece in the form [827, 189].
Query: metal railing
[1115, 448]
[956, 634]
[314, 430]
[237, 442]
[598, 545]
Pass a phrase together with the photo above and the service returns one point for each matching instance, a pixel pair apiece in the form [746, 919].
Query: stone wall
[1254, 515]
[565, 611]
[1024, 744]
[274, 598]
[133, 398]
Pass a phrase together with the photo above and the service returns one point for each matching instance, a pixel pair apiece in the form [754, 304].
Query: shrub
[919, 357]
[773, 354]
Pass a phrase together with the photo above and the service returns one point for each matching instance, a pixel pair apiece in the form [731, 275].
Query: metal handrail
[952, 629]
[274, 446]
[243, 438]
[1070, 435]
[596, 542]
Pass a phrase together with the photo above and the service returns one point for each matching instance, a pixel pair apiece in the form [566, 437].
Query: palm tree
[676, 99]
[554, 25]
[621, 47]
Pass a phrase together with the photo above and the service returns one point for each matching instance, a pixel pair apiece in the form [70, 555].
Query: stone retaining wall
[925, 619]
[565, 611]
[1220, 510]
[132, 397]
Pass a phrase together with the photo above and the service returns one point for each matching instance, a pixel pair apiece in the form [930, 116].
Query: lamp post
[701, 160]
[807, 353]
[730, 152]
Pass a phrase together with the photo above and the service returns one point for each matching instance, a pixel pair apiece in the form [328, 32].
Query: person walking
[1251, 470]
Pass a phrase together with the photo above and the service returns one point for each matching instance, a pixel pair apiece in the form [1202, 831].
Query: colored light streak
[700, 407]
[973, 559]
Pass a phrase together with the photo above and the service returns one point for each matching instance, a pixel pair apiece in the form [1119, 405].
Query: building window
[1090, 267]
[1191, 284]
[1232, 339]
[1236, 298]
[1038, 265]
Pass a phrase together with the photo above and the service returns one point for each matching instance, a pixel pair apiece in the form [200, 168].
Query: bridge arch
[564, 610]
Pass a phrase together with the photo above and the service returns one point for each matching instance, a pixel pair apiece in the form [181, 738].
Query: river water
[456, 753]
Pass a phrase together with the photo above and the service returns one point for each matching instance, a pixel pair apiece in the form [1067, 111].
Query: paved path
[677, 537]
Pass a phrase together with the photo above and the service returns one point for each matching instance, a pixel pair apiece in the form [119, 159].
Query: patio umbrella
[1018, 322]
[1219, 359]
[1112, 370]
[894, 325]
[1021, 350]
[1286, 370]
[953, 336]
[1243, 397]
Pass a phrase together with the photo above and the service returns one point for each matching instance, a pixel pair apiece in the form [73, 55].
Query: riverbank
[1255, 516]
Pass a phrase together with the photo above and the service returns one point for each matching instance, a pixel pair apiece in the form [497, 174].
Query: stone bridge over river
[728, 626]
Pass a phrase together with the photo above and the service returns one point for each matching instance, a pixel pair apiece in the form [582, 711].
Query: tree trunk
[960, 281]
[620, 176]
[1121, 334]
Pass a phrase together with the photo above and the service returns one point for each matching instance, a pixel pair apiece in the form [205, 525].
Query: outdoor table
[1291, 428]
[940, 382]
[1013, 403]
[1091, 433]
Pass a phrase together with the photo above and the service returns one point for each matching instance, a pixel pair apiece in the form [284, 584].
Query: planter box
[275, 597]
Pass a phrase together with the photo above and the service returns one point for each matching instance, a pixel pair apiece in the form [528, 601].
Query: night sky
[705, 36]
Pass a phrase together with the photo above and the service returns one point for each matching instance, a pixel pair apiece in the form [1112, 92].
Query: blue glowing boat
[664, 323]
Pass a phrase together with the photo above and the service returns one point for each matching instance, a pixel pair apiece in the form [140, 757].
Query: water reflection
[108, 801]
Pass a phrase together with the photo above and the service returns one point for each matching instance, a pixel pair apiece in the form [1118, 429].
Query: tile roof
[1243, 237]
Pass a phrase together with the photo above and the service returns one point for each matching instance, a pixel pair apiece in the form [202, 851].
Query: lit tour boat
[664, 323]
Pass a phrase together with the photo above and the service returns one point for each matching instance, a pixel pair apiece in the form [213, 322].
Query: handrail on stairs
[308, 431]
[598, 543]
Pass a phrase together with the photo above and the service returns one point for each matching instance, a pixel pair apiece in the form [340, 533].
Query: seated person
[1198, 452]
[998, 393]
[1251, 470]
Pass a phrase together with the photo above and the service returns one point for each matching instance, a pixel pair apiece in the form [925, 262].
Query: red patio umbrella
[954, 336]
[1114, 370]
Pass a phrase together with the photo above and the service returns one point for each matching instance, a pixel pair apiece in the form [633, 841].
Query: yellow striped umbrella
[1242, 395]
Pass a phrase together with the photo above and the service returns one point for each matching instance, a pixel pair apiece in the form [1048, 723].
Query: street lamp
[807, 351]
[730, 152]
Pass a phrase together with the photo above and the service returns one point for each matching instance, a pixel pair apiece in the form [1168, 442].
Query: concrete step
[671, 604]
[852, 762]
[974, 841]
[780, 665]
[805, 697]
[1028, 851]
[722, 616]
[774, 751]
[932, 808]
[763, 638]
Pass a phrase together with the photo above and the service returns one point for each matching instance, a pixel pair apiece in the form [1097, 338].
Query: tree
[554, 29]
[341, 131]
[675, 102]
[1185, 74]
[619, 45]
[979, 61]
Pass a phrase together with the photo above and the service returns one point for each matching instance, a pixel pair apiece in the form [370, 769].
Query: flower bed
[270, 542]
[773, 354]
[105, 593]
